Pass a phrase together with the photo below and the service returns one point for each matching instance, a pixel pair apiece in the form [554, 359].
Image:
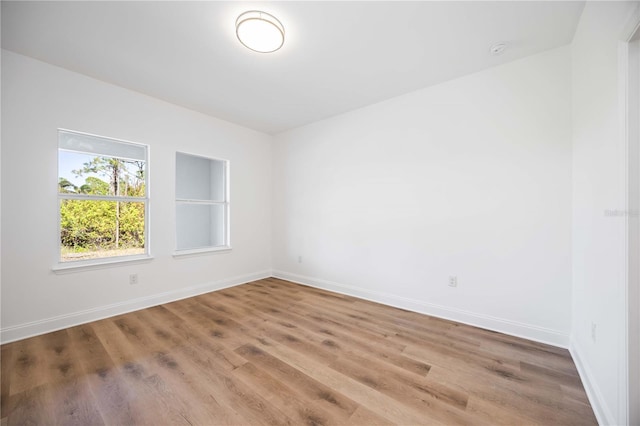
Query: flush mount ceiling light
[260, 31]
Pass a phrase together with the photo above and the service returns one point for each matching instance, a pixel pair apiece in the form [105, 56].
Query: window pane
[101, 146]
[200, 225]
[95, 229]
[199, 178]
[82, 173]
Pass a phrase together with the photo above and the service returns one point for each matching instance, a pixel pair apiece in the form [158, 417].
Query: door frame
[629, 101]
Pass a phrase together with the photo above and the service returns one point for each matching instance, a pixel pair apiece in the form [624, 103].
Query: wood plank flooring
[273, 352]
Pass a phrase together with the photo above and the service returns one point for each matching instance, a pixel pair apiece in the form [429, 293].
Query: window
[202, 204]
[103, 198]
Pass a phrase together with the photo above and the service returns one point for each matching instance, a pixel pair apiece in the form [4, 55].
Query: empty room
[320, 213]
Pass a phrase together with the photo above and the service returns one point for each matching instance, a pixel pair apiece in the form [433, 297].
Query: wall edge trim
[47, 325]
[501, 325]
[596, 399]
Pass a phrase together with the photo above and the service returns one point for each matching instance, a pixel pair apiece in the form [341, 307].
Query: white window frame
[225, 202]
[75, 265]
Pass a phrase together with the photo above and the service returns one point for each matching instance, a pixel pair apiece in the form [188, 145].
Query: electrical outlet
[299, 259]
[133, 279]
[593, 331]
[453, 281]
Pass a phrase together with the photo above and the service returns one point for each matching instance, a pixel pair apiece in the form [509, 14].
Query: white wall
[470, 178]
[0, 180]
[599, 185]
[36, 100]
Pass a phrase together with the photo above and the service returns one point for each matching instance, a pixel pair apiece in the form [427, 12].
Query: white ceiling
[337, 56]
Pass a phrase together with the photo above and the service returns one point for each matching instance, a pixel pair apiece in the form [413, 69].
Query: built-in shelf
[202, 204]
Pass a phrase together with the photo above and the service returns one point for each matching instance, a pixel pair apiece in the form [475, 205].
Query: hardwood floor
[274, 352]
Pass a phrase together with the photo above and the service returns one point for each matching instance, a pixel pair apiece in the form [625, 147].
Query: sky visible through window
[68, 161]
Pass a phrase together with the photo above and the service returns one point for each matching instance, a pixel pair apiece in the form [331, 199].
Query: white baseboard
[23, 331]
[513, 328]
[543, 335]
[598, 404]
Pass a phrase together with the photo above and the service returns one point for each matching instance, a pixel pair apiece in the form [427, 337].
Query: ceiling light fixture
[260, 31]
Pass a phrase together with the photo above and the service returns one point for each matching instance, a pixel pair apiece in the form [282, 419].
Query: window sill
[201, 251]
[80, 266]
